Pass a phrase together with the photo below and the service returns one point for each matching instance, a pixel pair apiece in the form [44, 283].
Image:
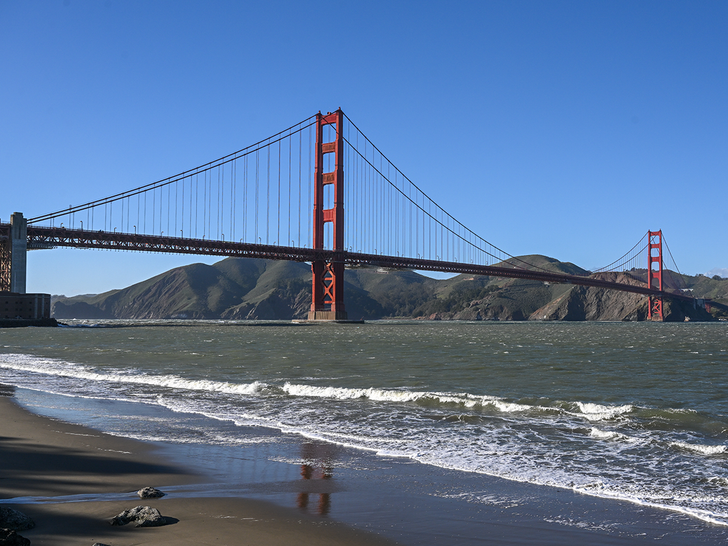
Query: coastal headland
[255, 289]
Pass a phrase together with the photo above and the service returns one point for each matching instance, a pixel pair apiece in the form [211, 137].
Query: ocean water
[631, 412]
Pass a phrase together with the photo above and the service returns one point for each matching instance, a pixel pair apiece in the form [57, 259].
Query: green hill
[240, 288]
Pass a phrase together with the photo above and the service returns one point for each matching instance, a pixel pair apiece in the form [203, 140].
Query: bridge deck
[50, 237]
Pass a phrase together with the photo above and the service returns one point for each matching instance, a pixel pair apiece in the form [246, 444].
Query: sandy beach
[46, 457]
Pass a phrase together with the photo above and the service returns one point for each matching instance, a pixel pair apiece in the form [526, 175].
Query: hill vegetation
[246, 289]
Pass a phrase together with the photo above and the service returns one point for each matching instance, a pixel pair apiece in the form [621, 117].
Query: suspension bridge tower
[654, 257]
[328, 274]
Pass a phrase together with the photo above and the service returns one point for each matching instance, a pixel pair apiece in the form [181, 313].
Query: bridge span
[40, 237]
[283, 198]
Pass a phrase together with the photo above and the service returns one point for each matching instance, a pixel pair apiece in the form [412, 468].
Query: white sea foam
[377, 395]
[342, 393]
[701, 448]
[60, 368]
[643, 497]
[618, 437]
[508, 407]
[605, 434]
[599, 412]
[78, 371]
[466, 400]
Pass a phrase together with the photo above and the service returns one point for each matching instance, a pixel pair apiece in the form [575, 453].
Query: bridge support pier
[13, 256]
[654, 256]
[328, 276]
[5, 264]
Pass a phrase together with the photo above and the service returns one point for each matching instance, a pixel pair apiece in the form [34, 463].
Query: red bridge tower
[328, 276]
[654, 255]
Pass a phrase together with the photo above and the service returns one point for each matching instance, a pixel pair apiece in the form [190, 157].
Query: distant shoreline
[21, 323]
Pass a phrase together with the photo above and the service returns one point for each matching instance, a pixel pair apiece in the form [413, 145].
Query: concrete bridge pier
[18, 252]
[17, 307]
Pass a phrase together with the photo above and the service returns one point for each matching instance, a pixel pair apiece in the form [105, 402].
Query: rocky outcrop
[589, 303]
[150, 493]
[582, 303]
[8, 537]
[140, 516]
[682, 311]
[63, 310]
[276, 304]
[15, 520]
[480, 310]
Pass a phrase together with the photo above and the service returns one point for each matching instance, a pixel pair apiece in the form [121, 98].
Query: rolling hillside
[238, 288]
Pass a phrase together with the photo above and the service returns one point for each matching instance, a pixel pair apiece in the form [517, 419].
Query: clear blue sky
[560, 128]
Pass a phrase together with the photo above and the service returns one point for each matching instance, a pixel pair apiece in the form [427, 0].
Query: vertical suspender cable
[204, 205]
[357, 231]
[221, 201]
[267, 200]
[257, 168]
[365, 201]
[388, 209]
[233, 188]
[221, 191]
[369, 218]
[309, 235]
[278, 235]
[245, 197]
[290, 144]
[300, 166]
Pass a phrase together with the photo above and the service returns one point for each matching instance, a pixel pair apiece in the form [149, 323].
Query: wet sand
[46, 457]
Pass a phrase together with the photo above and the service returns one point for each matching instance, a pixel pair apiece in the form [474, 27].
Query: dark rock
[12, 519]
[100, 544]
[580, 303]
[141, 516]
[150, 493]
[8, 537]
[79, 309]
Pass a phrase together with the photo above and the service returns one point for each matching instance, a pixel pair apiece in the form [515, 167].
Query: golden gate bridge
[320, 192]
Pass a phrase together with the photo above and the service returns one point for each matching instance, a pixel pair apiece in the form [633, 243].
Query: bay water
[635, 413]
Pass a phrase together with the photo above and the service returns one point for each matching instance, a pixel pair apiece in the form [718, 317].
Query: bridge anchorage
[271, 200]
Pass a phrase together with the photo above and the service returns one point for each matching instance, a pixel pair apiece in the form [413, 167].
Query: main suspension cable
[286, 133]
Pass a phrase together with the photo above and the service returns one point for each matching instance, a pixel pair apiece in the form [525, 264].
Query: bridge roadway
[50, 237]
